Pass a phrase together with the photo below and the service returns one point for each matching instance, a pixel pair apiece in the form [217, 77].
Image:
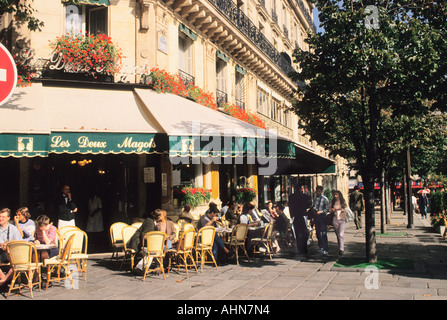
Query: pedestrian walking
[338, 206]
[299, 203]
[357, 205]
[423, 204]
[321, 205]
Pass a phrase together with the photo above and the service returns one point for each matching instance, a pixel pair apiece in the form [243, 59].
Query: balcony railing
[221, 98]
[306, 14]
[240, 103]
[186, 77]
[238, 18]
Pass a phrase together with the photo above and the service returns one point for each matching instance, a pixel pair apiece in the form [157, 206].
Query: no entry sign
[8, 74]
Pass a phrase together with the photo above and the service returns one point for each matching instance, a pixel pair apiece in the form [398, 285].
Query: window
[240, 90]
[275, 111]
[86, 18]
[185, 45]
[221, 94]
[262, 102]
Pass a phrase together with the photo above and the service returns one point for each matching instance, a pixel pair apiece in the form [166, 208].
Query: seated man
[136, 240]
[209, 219]
[8, 232]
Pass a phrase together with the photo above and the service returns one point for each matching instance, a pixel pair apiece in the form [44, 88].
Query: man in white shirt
[8, 232]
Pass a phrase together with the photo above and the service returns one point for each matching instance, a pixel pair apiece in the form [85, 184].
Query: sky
[316, 20]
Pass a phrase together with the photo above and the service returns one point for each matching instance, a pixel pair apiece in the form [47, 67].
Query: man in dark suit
[299, 203]
[136, 240]
[66, 208]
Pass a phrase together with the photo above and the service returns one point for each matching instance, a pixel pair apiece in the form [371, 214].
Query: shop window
[86, 18]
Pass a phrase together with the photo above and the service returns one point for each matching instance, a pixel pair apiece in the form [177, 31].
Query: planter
[60, 74]
[442, 230]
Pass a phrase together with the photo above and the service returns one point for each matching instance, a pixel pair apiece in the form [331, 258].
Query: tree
[23, 11]
[372, 66]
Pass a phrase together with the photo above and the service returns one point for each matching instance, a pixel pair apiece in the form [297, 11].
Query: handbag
[349, 214]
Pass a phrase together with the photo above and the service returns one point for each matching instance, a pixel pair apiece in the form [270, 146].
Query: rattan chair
[59, 262]
[23, 260]
[137, 224]
[184, 252]
[154, 246]
[265, 240]
[237, 240]
[116, 238]
[204, 245]
[78, 249]
[129, 253]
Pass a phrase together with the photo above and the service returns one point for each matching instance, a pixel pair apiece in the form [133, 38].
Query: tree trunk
[370, 231]
[389, 203]
[382, 203]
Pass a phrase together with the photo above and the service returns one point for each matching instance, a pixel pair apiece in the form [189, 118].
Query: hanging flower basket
[193, 196]
[244, 195]
[88, 54]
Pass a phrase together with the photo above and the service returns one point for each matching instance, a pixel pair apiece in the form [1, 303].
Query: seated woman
[45, 234]
[165, 225]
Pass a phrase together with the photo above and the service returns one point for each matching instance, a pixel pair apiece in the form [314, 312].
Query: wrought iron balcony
[238, 18]
[186, 77]
[221, 98]
[240, 103]
[306, 14]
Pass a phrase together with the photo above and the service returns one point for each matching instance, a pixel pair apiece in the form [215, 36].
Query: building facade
[240, 51]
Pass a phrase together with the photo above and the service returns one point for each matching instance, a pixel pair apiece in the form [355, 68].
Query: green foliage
[193, 196]
[437, 204]
[369, 89]
[23, 12]
[245, 195]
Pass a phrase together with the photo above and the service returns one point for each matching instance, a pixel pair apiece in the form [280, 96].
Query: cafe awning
[24, 126]
[42, 119]
[195, 130]
[306, 161]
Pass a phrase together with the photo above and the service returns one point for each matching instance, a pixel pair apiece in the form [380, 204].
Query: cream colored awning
[39, 120]
[96, 110]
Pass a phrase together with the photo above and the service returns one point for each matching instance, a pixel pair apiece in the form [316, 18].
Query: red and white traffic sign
[8, 74]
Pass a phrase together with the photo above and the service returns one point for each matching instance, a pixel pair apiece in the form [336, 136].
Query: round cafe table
[43, 247]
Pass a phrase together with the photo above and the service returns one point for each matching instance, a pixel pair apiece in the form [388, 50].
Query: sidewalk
[285, 277]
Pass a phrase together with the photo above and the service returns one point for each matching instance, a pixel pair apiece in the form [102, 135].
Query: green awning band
[187, 31]
[182, 146]
[33, 145]
[104, 143]
[23, 145]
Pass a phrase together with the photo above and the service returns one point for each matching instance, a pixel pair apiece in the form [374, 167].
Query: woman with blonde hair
[165, 225]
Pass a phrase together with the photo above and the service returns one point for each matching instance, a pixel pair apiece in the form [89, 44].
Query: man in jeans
[321, 206]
